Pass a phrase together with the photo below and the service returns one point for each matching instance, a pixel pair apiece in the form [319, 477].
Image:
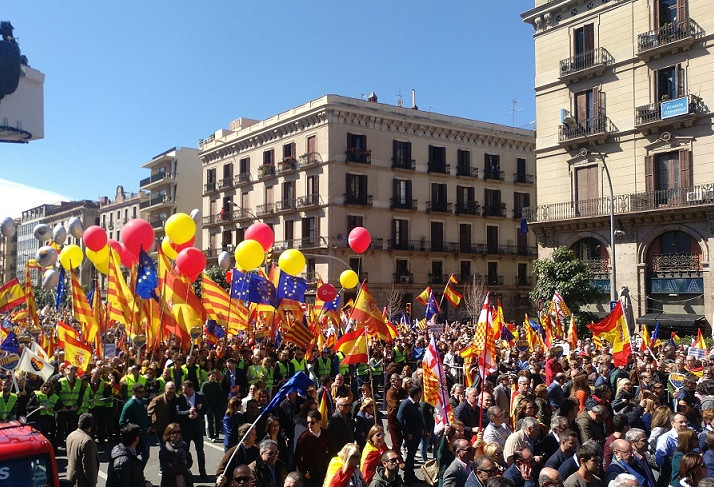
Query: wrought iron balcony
[362, 156]
[438, 278]
[209, 187]
[156, 177]
[357, 199]
[498, 209]
[265, 171]
[157, 221]
[240, 214]
[595, 129]
[266, 209]
[466, 170]
[398, 203]
[698, 195]
[308, 200]
[587, 64]
[676, 264]
[670, 38]
[438, 207]
[243, 178]
[403, 278]
[494, 280]
[155, 200]
[522, 280]
[680, 112]
[401, 163]
[599, 267]
[308, 242]
[286, 205]
[471, 248]
[494, 175]
[225, 183]
[438, 168]
[521, 177]
[287, 164]
[309, 159]
[468, 208]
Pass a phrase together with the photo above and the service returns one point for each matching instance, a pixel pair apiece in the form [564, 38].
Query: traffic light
[408, 308]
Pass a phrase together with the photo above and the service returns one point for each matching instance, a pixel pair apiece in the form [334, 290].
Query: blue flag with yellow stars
[147, 277]
[291, 287]
[253, 288]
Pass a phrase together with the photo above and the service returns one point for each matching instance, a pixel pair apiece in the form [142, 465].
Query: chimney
[414, 105]
[372, 97]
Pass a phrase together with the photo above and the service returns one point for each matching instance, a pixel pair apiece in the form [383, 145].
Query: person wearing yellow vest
[343, 369]
[41, 410]
[256, 373]
[284, 368]
[133, 377]
[400, 355]
[99, 401]
[8, 402]
[193, 372]
[269, 375]
[299, 362]
[69, 389]
[322, 365]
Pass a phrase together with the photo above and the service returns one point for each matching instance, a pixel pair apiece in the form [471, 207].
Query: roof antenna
[400, 102]
[513, 111]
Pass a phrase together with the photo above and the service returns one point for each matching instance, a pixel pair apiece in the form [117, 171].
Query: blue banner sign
[675, 108]
[602, 285]
[694, 285]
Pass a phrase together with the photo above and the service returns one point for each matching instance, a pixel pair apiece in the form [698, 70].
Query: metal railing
[598, 266]
[243, 177]
[403, 278]
[266, 170]
[225, 183]
[401, 163]
[522, 280]
[668, 34]
[285, 205]
[438, 278]
[468, 208]
[363, 156]
[156, 200]
[438, 168]
[494, 280]
[521, 177]
[466, 170]
[308, 200]
[652, 112]
[701, 194]
[209, 187]
[585, 128]
[494, 175]
[287, 164]
[309, 158]
[358, 199]
[584, 61]
[159, 176]
[676, 263]
[438, 206]
[264, 209]
[494, 210]
[402, 203]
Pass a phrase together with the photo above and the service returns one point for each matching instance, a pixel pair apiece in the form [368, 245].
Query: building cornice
[550, 15]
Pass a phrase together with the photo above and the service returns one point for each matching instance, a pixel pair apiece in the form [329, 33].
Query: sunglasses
[175, 433]
[271, 453]
[241, 480]
[394, 460]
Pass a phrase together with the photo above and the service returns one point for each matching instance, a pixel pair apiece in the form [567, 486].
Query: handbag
[430, 470]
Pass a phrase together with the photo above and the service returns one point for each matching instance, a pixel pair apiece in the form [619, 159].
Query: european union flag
[332, 305]
[147, 279]
[253, 288]
[432, 307]
[61, 288]
[11, 343]
[506, 334]
[291, 287]
[90, 297]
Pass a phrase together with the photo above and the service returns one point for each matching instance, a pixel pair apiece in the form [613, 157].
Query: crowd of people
[572, 419]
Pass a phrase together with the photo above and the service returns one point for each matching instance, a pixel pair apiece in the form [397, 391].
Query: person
[189, 413]
[469, 413]
[312, 448]
[246, 454]
[175, 459]
[294, 479]
[590, 459]
[412, 424]
[521, 470]
[341, 426]
[69, 390]
[457, 473]
[230, 423]
[483, 469]
[620, 426]
[497, 429]
[394, 397]
[686, 443]
[162, 408]
[667, 442]
[387, 472]
[273, 432]
[125, 469]
[708, 456]
[580, 390]
[44, 402]
[267, 470]
[522, 438]
[372, 452]
[343, 469]
[549, 477]
[134, 412]
[623, 461]
[568, 445]
[624, 480]
[241, 477]
[364, 420]
[641, 454]
[82, 456]
[445, 453]
[211, 391]
[590, 424]
[691, 470]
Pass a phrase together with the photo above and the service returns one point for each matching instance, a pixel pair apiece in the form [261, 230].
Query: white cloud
[16, 197]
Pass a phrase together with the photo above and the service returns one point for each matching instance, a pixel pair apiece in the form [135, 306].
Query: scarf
[628, 468]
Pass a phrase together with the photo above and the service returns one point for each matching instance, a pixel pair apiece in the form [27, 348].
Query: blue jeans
[426, 441]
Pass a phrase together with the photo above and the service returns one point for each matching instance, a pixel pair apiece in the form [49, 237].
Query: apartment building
[113, 214]
[440, 195]
[173, 186]
[624, 86]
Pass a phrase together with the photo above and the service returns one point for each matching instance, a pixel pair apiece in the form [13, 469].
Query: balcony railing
[285, 205]
[438, 206]
[363, 156]
[438, 168]
[521, 177]
[666, 110]
[585, 63]
[209, 187]
[494, 280]
[157, 222]
[155, 200]
[522, 280]
[466, 171]
[358, 199]
[585, 128]
[684, 32]
[398, 203]
[494, 175]
[225, 183]
[242, 214]
[265, 209]
[403, 278]
[243, 177]
[494, 210]
[308, 200]
[676, 263]
[265, 171]
[702, 194]
[468, 208]
[287, 164]
[599, 267]
[309, 159]
[159, 176]
[400, 163]
[438, 278]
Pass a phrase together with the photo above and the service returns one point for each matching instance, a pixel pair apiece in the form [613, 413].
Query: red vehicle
[26, 457]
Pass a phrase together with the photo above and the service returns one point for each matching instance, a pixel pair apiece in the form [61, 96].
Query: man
[469, 413]
[620, 425]
[549, 477]
[8, 402]
[284, 368]
[341, 426]
[229, 382]
[497, 429]
[162, 409]
[241, 477]
[548, 445]
[623, 461]
[294, 479]
[82, 456]
[641, 453]
[458, 472]
[521, 471]
[134, 412]
[523, 392]
[601, 396]
[192, 371]
[267, 470]
[129, 380]
[590, 459]
[412, 424]
[568, 445]
[394, 396]
[590, 424]
[502, 394]
[69, 390]
[457, 396]
[627, 480]
[667, 442]
[603, 377]
[125, 468]
[189, 413]
[687, 393]
[311, 449]
[523, 438]
[214, 408]
[483, 469]
[387, 474]
[555, 391]
[98, 394]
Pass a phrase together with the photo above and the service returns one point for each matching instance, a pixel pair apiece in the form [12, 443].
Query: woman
[494, 450]
[230, 422]
[580, 390]
[364, 421]
[525, 409]
[650, 407]
[272, 432]
[552, 366]
[660, 425]
[543, 410]
[247, 453]
[623, 396]
[445, 454]
[686, 443]
[175, 459]
[372, 452]
[343, 469]
[691, 470]
[300, 419]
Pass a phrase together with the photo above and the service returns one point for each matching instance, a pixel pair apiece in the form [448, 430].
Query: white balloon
[42, 232]
[224, 260]
[59, 234]
[46, 256]
[7, 227]
[74, 225]
[195, 214]
[50, 279]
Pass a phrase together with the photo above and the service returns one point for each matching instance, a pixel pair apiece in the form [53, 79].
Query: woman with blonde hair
[372, 452]
[686, 443]
[343, 470]
[364, 420]
[623, 396]
[659, 424]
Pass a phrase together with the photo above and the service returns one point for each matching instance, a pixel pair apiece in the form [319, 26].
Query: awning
[672, 319]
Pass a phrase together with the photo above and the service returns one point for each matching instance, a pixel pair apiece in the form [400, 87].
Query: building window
[401, 193]
[522, 274]
[437, 236]
[492, 166]
[466, 200]
[520, 201]
[269, 199]
[357, 142]
[311, 144]
[463, 158]
[309, 231]
[492, 239]
[244, 165]
[356, 265]
[228, 171]
[437, 272]
[240, 235]
[465, 270]
[356, 186]
[583, 41]
[402, 154]
[492, 203]
[226, 239]
[269, 157]
[312, 185]
[401, 269]
[465, 237]
[354, 221]
[400, 234]
[437, 159]
[438, 197]
[670, 11]
[670, 83]
[666, 172]
[493, 277]
[289, 151]
[288, 233]
[521, 176]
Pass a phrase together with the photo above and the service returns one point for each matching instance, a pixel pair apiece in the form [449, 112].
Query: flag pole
[369, 368]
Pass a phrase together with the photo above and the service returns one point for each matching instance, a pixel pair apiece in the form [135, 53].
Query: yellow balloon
[292, 262]
[100, 255]
[31, 262]
[71, 257]
[349, 279]
[102, 266]
[180, 228]
[168, 249]
[249, 254]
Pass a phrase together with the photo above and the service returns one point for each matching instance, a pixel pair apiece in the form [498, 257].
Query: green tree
[215, 273]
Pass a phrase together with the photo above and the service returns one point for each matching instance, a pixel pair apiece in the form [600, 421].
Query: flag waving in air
[451, 294]
[367, 313]
[354, 346]
[11, 295]
[435, 389]
[614, 329]
[698, 348]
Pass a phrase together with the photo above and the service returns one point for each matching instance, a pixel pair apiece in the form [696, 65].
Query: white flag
[33, 363]
[37, 349]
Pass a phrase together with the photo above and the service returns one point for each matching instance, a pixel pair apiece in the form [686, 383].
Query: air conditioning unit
[699, 196]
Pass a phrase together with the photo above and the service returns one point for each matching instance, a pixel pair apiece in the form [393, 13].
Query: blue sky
[127, 80]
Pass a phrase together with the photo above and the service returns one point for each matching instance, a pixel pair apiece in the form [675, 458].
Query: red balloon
[326, 292]
[359, 239]
[116, 246]
[128, 258]
[179, 248]
[137, 234]
[95, 238]
[190, 262]
[261, 233]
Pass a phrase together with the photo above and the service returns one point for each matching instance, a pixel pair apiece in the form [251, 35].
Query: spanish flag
[423, 298]
[614, 329]
[11, 295]
[77, 353]
[354, 346]
[452, 295]
[366, 312]
[646, 341]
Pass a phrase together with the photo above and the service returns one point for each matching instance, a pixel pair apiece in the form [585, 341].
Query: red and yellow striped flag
[218, 306]
[120, 301]
[82, 311]
[32, 317]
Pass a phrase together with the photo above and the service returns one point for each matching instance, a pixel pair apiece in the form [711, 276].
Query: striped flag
[698, 348]
[423, 298]
[77, 353]
[30, 299]
[218, 306]
[64, 331]
[82, 311]
[435, 388]
[354, 346]
[451, 294]
[299, 334]
[120, 301]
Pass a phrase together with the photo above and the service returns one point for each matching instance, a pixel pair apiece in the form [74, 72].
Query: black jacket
[125, 468]
[341, 431]
[183, 407]
[175, 461]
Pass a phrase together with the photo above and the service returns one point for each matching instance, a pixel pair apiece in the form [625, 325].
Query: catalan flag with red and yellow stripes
[82, 311]
[32, 316]
[120, 301]
[219, 307]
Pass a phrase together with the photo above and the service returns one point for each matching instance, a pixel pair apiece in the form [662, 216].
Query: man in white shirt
[497, 429]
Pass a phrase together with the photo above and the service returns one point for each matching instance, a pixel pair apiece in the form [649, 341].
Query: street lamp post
[572, 123]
